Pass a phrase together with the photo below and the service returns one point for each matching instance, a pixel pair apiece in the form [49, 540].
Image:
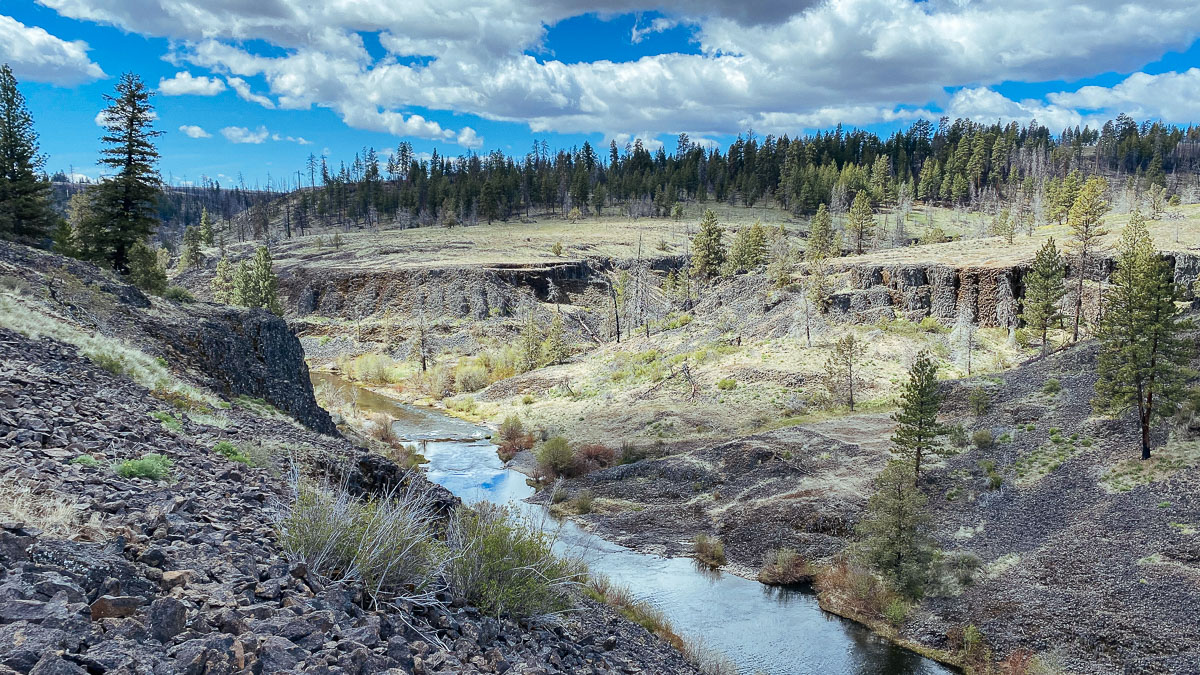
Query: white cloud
[291, 139]
[244, 135]
[193, 131]
[34, 54]
[658, 25]
[468, 138]
[243, 91]
[185, 83]
[775, 66]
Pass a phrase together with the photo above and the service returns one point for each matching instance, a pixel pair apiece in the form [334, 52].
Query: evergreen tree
[1003, 226]
[839, 368]
[145, 272]
[555, 347]
[192, 242]
[749, 250]
[223, 282]
[1143, 354]
[206, 228]
[255, 284]
[708, 247]
[917, 426]
[530, 344]
[1086, 220]
[895, 530]
[1044, 289]
[125, 208]
[25, 211]
[820, 236]
[861, 223]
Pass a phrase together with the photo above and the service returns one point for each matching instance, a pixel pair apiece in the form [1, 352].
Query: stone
[277, 654]
[112, 606]
[175, 579]
[53, 664]
[168, 618]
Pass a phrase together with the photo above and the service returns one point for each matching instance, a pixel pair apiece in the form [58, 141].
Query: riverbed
[781, 631]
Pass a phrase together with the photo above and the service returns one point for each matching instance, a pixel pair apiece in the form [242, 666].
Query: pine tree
[820, 236]
[555, 347]
[749, 250]
[1003, 226]
[1086, 220]
[145, 272]
[917, 427]
[192, 242]
[125, 208]
[26, 214]
[1143, 354]
[255, 284]
[530, 344]
[206, 228]
[223, 282]
[895, 530]
[708, 247]
[861, 223]
[1044, 288]
[839, 368]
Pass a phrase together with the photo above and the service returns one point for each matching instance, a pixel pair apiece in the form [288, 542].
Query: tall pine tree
[917, 426]
[708, 247]
[124, 206]
[1044, 289]
[1143, 355]
[1086, 220]
[861, 223]
[25, 211]
[820, 236]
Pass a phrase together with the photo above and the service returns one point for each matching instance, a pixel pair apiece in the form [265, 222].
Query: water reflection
[776, 630]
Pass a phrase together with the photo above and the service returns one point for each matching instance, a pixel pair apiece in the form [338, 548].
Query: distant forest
[959, 163]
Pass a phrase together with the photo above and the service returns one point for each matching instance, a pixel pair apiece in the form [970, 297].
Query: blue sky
[254, 90]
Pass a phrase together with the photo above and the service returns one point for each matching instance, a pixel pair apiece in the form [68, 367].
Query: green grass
[1164, 462]
[169, 421]
[152, 466]
[1045, 459]
[85, 461]
[232, 452]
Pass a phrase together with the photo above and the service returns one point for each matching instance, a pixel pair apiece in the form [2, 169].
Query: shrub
[854, 588]
[151, 466]
[381, 428]
[631, 453]
[931, 325]
[505, 564]
[709, 550]
[982, 439]
[979, 400]
[584, 501]
[896, 611]
[555, 457]
[557, 248]
[784, 566]
[974, 647]
[593, 456]
[511, 429]
[85, 461]
[231, 452]
[707, 660]
[469, 379]
[388, 543]
[727, 384]
[1052, 386]
[957, 436]
[438, 382]
[178, 294]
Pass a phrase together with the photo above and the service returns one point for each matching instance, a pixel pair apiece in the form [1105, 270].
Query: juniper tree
[555, 346]
[529, 345]
[1086, 220]
[1143, 356]
[749, 250]
[861, 223]
[708, 247]
[26, 214]
[222, 282]
[820, 235]
[145, 272]
[917, 426]
[895, 530]
[125, 206]
[1044, 288]
[848, 351]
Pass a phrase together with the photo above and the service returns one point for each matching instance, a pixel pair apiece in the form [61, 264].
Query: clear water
[762, 629]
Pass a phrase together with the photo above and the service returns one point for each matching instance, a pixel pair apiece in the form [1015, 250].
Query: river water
[781, 631]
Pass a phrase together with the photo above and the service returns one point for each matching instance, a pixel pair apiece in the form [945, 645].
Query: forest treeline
[949, 163]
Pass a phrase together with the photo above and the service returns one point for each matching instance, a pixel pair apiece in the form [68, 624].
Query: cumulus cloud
[468, 138]
[291, 139]
[193, 131]
[245, 135]
[185, 83]
[776, 66]
[34, 54]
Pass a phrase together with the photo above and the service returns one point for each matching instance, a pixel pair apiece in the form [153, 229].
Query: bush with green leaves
[979, 400]
[957, 435]
[470, 378]
[555, 457]
[709, 550]
[727, 384]
[983, 439]
[85, 461]
[231, 452]
[151, 466]
[504, 563]
[1052, 386]
[388, 543]
[179, 294]
[784, 566]
[896, 611]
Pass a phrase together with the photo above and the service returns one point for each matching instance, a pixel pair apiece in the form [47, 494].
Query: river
[781, 631]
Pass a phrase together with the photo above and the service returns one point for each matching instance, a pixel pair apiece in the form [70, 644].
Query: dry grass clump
[707, 660]
[372, 368]
[709, 550]
[55, 514]
[784, 566]
[855, 590]
[601, 589]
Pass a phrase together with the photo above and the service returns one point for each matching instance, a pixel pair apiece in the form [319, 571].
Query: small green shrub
[982, 439]
[979, 400]
[85, 461]
[931, 325]
[727, 384]
[957, 436]
[631, 453]
[178, 294]
[1052, 386]
[896, 612]
[506, 565]
[527, 399]
[555, 457]
[152, 466]
[784, 566]
[231, 452]
[584, 501]
[709, 550]
[470, 379]
[169, 421]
